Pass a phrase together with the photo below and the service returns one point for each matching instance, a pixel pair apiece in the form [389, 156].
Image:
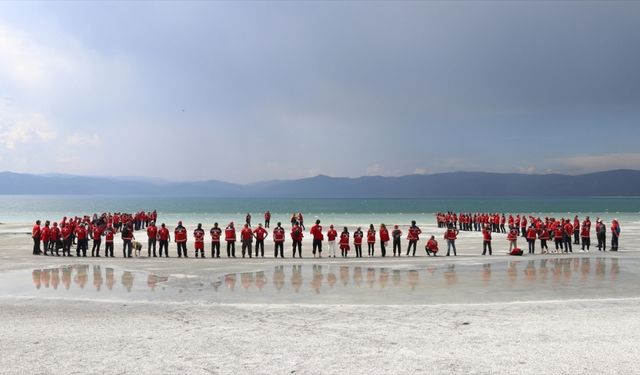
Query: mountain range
[454, 184]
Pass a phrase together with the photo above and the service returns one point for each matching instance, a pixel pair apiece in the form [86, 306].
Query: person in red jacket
[152, 238]
[397, 238]
[163, 238]
[413, 236]
[215, 233]
[357, 242]
[65, 232]
[344, 242]
[615, 234]
[523, 226]
[278, 239]
[109, 232]
[56, 242]
[296, 237]
[318, 237]
[230, 238]
[371, 240]
[180, 237]
[246, 238]
[512, 237]
[96, 236]
[384, 239]
[35, 234]
[531, 238]
[585, 234]
[45, 236]
[568, 230]
[432, 246]
[543, 235]
[83, 241]
[486, 243]
[451, 235]
[267, 219]
[127, 236]
[260, 234]
[198, 235]
[576, 230]
[332, 234]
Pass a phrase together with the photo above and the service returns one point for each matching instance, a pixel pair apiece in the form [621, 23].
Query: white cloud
[374, 170]
[527, 170]
[17, 126]
[420, 171]
[588, 163]
[82, 139]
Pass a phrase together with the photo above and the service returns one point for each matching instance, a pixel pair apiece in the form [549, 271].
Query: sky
[252, 91]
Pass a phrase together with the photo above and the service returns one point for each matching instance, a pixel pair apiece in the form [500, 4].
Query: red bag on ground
[516, 251]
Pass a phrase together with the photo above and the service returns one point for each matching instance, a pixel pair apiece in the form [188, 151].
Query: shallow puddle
[518, 280]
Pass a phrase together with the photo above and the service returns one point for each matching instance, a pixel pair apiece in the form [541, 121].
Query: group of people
[77, 231]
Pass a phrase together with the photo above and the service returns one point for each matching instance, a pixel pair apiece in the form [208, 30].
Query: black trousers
[66, 246]
[412, 243]
[215, 249]
[246, 247]
[297, 244]
[126, 248]
[182, 247]
[164, 244]
[231, 249]
[567, 244]
[370, 248]
[358, 251]
[82, 247]
[279, 248]
[36, 246]
[150, 244]
[266, 223]
[383, 249]
[576, 237]
[108, 249]
[559, 243]
[260, 245]
[614, 243]
[486, 245]
[532, 246]
[586, 241]
[317, 244]
[396, 245]
[95, 249]
[45, 247]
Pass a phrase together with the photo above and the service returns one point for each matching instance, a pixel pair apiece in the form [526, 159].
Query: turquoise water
[25, 208]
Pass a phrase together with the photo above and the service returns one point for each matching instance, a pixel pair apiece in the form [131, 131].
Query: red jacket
[180, 234]
[260, 233]
[230, 234]
[163, 233]
[414, 233]
[531, 233]
[486, 235]
[332, 234]
[35, 232]
[97, 233]
[108, 234]
[278, 234]
[45, 234]
[215, 234]
[316, 232]
[198, 234]
[432, 245]
[344, 240]
[152, 232]
[357, 238]
[384, 235]
[296, 233]
[371, 236]
[246, 234]
[54, 234]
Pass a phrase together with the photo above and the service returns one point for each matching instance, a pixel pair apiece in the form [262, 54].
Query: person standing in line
[54, 236]
[331, 241]
[65, 232]
[278, 239]
[523, 226]
[127, 237]
[566, 236]
[96, 236]
[108, 233]
[397, 238]
[357, 242]
[152, 238]
[615, 234]
[432, 246]
[215, 233]
[413, 236]
[451, 235]
[543, 234]
[83, 241]
[601, 231]
[531, 238]
[180, 237]
[45, 237]
[344, 242]
[384, 239]
[486, 243]
[230, 238]
[198, 235]
[585, 235]
[246, 238]
[371, 240]
[503, 221]
[267, 219]
[260, 234]
[164, 237]
[296, 237]
[318, 237]
[35, 234]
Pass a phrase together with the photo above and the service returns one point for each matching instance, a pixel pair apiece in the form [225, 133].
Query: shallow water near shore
[558, 278]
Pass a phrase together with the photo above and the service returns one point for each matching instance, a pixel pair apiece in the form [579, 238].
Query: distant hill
[470, 184]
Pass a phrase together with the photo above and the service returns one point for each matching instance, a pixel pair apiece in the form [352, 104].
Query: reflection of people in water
[371, 276]
[316, 280]
[230, 281]
[450, 276]
[397, 278]
[486, 274]
[585, 268]
[600, 268]
[246, 279]
[278, 277]
[413, 278]
[127, 280]
[55, 278]
[331, 278]
[36, 277]
[152, 281]
[66, 277]
[296, 277]
[97, 277]
[111, 280]
[530, 271]
[512, 272]
[615, 269]
[82, 276]
[46, 278]
[544, 271]
[384, 278]
[261, 280]
[344, 275]
[357, 275]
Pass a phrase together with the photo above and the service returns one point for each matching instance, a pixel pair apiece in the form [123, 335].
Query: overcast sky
[242, 91]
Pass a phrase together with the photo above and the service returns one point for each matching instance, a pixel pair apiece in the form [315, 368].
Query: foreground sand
[530, 337]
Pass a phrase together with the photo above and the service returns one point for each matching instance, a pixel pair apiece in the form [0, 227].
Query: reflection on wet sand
[543, 274]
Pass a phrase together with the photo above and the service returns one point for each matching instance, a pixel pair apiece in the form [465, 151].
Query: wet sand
[471, 314]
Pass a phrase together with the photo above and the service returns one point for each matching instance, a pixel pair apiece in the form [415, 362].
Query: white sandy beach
[86, 333]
